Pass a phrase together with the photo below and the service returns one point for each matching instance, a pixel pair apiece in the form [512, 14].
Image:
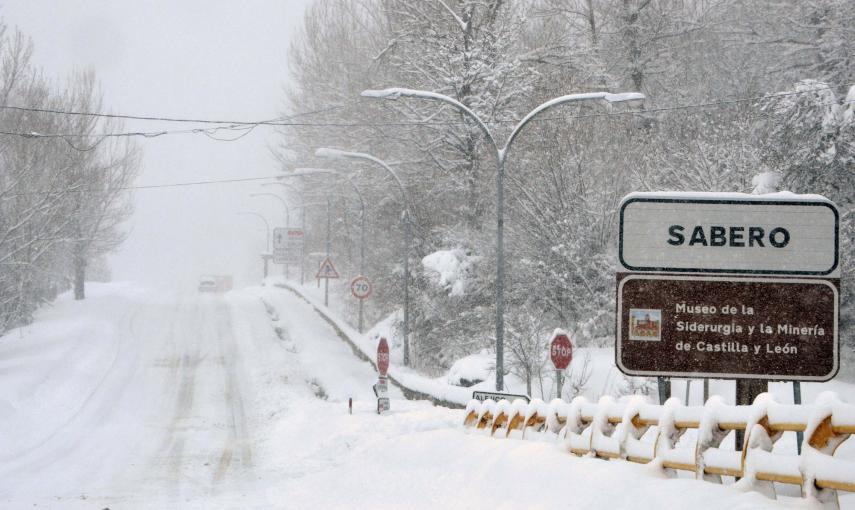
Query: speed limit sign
[360, 287]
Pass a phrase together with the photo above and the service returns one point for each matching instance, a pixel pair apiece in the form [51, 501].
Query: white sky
[180, 58]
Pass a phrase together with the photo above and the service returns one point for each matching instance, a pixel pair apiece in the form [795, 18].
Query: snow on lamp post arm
[570, 98]
[397, 93]
[281, 200]
[326, 152]
[262, 218]
[315, 171]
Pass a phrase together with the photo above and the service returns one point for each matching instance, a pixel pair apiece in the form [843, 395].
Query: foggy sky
[187, 58]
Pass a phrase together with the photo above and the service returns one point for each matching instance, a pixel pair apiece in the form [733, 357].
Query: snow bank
[450, 269]
[472, 369]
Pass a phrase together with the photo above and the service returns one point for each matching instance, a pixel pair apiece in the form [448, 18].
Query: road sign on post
[327, 270]
[561, 352]
[287, 245]
[381, 388]
[382, 356]
[496, 396]
[728, 285]
[360, 287]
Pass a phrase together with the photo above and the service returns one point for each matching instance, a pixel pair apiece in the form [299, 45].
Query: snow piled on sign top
[766, 182]
[451, 269]
[781, 196]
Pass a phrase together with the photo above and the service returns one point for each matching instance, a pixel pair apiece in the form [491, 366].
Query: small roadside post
[381, 389]
[561, 352]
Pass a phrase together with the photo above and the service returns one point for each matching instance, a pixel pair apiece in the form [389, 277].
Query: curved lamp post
[501, 154]
[325, 152]
[281, 201]
[266, 256]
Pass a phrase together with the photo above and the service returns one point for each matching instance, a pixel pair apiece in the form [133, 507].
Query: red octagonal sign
[382, 356]
[561, 351]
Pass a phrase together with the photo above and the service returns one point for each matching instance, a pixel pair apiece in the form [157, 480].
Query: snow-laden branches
[60, 208]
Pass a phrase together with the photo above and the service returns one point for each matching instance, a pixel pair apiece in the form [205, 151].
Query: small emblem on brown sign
[645, 324]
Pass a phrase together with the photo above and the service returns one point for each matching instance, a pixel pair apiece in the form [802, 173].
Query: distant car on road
[208, 284]
[215, 283]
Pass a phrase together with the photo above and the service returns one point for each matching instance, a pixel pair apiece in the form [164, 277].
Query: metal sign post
[382, 387]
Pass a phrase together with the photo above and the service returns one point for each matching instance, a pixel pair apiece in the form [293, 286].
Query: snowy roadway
[134, 399]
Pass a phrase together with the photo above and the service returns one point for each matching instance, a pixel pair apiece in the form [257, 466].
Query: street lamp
[324, 152]
[266, 255]
[310, 171]
[501, 154]
[281, 200]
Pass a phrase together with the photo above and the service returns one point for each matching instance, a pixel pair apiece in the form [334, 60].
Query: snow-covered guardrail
[640, 432]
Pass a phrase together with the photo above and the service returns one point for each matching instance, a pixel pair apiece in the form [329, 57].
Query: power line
[162, 119]
[248, 126]
[144, 186]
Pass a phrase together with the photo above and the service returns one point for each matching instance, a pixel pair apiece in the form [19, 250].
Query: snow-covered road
[136, 399]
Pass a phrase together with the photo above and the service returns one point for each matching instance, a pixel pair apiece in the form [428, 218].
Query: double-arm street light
[501, 154]
[266, 255]
[405, 216]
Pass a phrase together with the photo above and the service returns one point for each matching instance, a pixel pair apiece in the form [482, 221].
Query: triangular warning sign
[327, 270]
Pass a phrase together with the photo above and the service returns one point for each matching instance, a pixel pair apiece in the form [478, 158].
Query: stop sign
[382, 356]
[561, 351]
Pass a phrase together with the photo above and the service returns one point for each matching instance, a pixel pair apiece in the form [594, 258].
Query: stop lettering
[561, 351]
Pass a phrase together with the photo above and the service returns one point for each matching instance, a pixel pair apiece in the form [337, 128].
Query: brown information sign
[727, 327]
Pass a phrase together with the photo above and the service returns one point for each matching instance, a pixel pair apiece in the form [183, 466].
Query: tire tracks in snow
[229, 353]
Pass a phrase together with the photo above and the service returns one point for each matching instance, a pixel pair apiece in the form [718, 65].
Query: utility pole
[327, 280]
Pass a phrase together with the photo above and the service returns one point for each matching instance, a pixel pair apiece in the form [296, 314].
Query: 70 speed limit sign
[360, 287]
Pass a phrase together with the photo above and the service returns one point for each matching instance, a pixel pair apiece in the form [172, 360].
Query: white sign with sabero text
[729, 233]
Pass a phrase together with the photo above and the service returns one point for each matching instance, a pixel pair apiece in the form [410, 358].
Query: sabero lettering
[733, 236]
